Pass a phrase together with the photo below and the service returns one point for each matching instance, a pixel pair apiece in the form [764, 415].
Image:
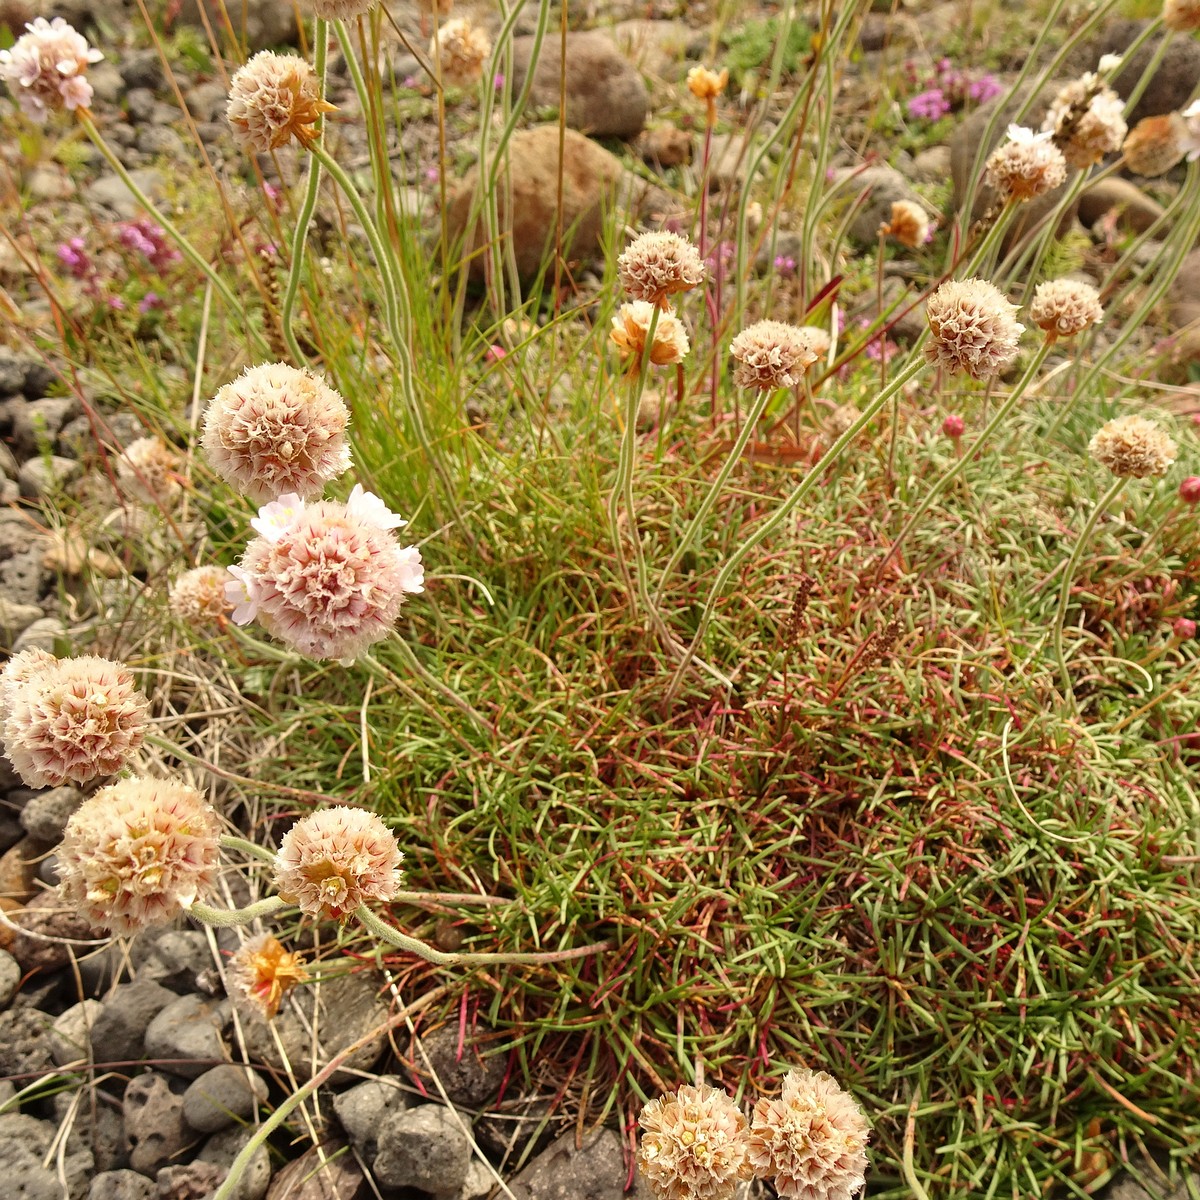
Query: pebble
[45, 917]
[122, 1185]
[188, 1181]
[884, 185]
[222, 1148]
[70, 1035]
[185, 1037]
[46, 815]
[363, 1109]
[15, 618]
[10, 978]
[153, 1108]
[335, 1176]
[41, 478]
[1135, 210]
[424, 1148]
[119, 1034]
[594, 1171]
[24, 1142]
[1173, 81]
[666, 146]
[222, 1096]
[46, 632]
[173, 958]
[24, 1043]
[110, 191]
[38, 423]
[470, 1078]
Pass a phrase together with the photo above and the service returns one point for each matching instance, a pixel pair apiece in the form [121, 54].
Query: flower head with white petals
[276, 518]
[370, 510]
[45, 69]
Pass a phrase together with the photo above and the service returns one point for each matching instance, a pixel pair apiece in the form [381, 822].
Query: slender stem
[956, 470]
[307, 206]
[785, 510]
[401, 941]
[250, 849]
[444, 690]
[1064, 592]
[190, 252]
[227, 918]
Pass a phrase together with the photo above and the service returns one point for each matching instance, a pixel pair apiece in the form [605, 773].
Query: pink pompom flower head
[72, 719]
[46, 68]
[139, 853]
[335, 860]
[327, 578]
[973, 328]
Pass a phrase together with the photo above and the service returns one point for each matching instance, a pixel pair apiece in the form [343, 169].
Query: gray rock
[932, 165]
[141, 69]
[160, 140]
[70, 1035]
[362, 1110]
[207, 101]
[222, 1096]
[23, 1143]
[604, 91]
[424, 1148]
[10, 978]
[51, 931]
[222, 1148]
[1170, 86]
[471, 1078]
[97, 1125]
[15, 618]
[8, 462]
[122, 1185]
[110, 191]
[119, 1034]
[173, 958]
[189, 1181]
[46, 815]
[595, 1171]
[1134, 209]
[336, 1176]
[478, 1183]
[11, 831]
[140, 102]
[41, 478]
[106, 81]
[153, 1109]
[22, 374]
[883, 186]
[44, 633]
[263, 22]
[24, 579]
[24, 1043]
[186, 1036]
[37, 424]
[506, 1131]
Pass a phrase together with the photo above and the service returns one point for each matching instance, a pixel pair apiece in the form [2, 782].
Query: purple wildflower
[74, 257]
[149, 302]
[930, 105]
[146, 238]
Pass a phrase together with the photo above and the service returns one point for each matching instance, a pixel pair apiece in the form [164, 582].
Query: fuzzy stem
[1064, 592]
[227, 918]
[250, 849]
[307, 206]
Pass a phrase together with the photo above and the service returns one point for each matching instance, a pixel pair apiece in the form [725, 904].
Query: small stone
[18, 870]
[43, 634]
[122, 1185]
[666, 146]
[38, 423]
[424, 1148]
[142, 69]
[506, 1131]
[25, 1043]
[46, 815]
[41, 478]
[25, 579]
[106, 81]
[110, 191]
[119, 1033]
[1134, 209]
[23, 1143]
[336, 1176]
[160, 140]
[478, 1183]
[185, 1037]
[469, 1077]
[153, 1108]
[594, 1171]
[98, 1128]
[173, 958]
[883, 186]
[363, 1109]
[15, 618]
[222, 1096]
[10, 978]
[189, 1181]
[222, 1148]
[70, 1035]
[51, 931]
[932, 165]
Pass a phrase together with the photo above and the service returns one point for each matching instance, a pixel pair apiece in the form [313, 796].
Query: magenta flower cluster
[149, 240]
[947, 89]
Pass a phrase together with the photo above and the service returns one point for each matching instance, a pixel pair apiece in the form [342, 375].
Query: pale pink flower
[45, 69]
[272, 99]
[694, 1145]
[657, 265]
[148, 469]
[139, 853]
[197, 597]
[19, 670]
[1086, 120]
[329, 578]
[1133, 447]
[771, 355]
[335, 860]
[631, 327]
[1191, 120]
[811, 1142]
[276, 430]
[75, 720]
[1064, 307]
[973, 328]
[1026, 166]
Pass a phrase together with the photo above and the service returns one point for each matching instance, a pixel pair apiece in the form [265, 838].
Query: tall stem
[1064, 591]
[226, 918]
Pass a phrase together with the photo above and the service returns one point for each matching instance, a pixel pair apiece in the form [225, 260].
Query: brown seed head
[461, 48]
[148, 468]
[705, 84]
[1026, 166]
[973, 328]
[197, 597]
[770, 355]
[1064, 307]
[1181, 16]
[1086, 120]
[1133, 447]
[631, 326]
[1156, 144]
[657, 265]
[272, 99]
[263, 972]
[908, 224]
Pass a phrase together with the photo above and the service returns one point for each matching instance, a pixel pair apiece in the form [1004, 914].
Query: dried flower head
[811, 1142]
[1064, 307]
[1026, 166]
[631, 326]
[139, 853]
[197, 597]
[705, 84]
[657, 265]
[818, 339]
[342, 10]
[333, 860]
[1181, 16]
[693, 1145]
[1086, 120]
[148, 468]
[46, 68]
[275, 430]
[1133, 447]
[460, 48]
[263, 972]
[19, 670]
[272, 99]
[328, 578]
[770, 355]
[973, 328]
[1156, 144]
[908, 224]
[842, 417]
[76, 719]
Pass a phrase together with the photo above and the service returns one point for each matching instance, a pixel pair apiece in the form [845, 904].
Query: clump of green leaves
[753, 45]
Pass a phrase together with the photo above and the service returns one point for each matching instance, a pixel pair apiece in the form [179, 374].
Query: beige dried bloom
[272, 99]
[693, 1145]
[74, 720]
[631, 326]
[1065, 307]
[842, 418]
[657, 265]
[973, 328]
[149, 469]
[342, 10]
[1181, 16]
[1086, 120]
[275, 430]
[770, 355]
[19, 670]
[705, 84]
[1026, 166]
[1156, 144]
[197, 597]
[46, 68]
[461, 49]
[332, 861]
[139, 853]
[1133, 447]
[908, 224]
[263, 972]
[811, 1142]
[818, 339]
